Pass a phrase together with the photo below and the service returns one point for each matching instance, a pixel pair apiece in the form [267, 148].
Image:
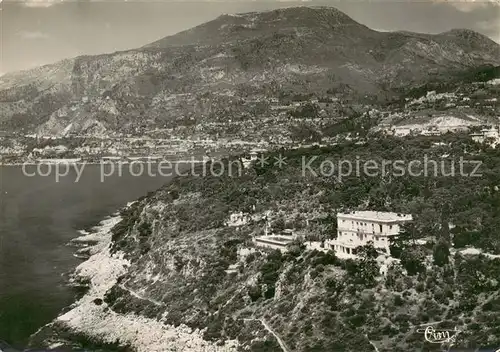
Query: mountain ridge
[247, 56]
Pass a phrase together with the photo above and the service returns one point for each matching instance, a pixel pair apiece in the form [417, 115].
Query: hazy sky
[43, 31]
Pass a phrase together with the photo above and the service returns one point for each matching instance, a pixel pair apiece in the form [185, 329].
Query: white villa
[360, 227]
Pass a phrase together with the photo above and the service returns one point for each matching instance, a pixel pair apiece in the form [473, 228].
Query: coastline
[89, 316]
[101, 162]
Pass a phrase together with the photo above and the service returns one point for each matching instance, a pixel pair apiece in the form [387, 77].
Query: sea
[39, 215]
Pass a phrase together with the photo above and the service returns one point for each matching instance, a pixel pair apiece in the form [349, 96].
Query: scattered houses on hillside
[354, 229]
[434, 127]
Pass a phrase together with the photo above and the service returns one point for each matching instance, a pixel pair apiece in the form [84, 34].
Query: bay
[38, 217]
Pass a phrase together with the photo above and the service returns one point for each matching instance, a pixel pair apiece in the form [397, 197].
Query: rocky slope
[216, 72]
[171, 276]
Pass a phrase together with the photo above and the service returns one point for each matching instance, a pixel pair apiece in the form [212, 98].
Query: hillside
[230, 68]
[174, 269]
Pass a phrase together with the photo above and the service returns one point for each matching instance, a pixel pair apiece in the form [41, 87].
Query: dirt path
[268, 328]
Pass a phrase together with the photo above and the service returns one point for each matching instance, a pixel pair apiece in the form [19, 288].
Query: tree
[412, 259]
[411, 256]
[367, 268]
[403, 240]
[441, 253]
[445, 222]
[296, 248]
[367, 252]
[394, 275]
[279, 225]
[308, 110]
[270, 272]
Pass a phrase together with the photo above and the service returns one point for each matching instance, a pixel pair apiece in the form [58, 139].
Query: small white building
[431, 131]
[255, 152]
[357, 228]
[487, 134]
[402, 131]
[477, 137]
[273, 242]
[253, 156]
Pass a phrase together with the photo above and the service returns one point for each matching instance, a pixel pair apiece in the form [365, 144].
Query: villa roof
[376, 216]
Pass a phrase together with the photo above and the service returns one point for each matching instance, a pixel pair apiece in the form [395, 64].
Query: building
[279, 241]
[238, 219]
[255, 152]
[274, 242]
[253, 156]
[477, 137]
[487, 134]
[402, 131]
[357, 228]
[431, 131]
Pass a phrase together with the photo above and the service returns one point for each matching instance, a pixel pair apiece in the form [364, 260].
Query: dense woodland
[466, 204]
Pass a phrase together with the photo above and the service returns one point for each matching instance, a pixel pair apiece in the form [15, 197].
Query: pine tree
[441, 253]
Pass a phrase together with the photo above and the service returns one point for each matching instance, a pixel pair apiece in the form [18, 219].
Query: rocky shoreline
[89, 323]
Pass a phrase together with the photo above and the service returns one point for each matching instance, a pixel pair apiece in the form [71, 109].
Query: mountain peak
[467, 34]
[299, 10]
[240, 26]
[318, 50]
[316, 15]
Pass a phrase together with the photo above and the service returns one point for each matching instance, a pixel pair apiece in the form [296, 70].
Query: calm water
[38, 217]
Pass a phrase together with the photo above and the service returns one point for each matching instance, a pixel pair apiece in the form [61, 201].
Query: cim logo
[439, 336]
[474, 350]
